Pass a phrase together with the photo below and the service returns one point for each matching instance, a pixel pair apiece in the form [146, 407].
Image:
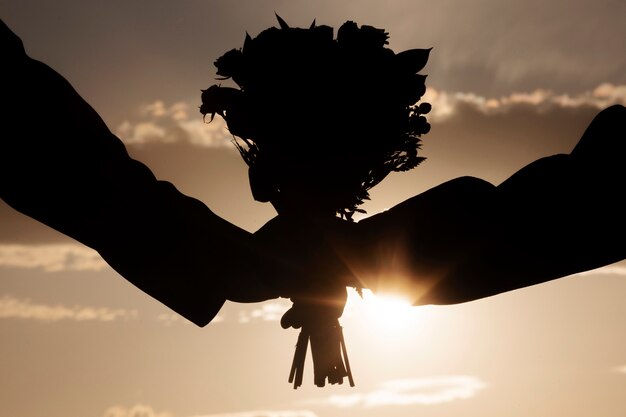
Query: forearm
[556, 217]
[466, 239]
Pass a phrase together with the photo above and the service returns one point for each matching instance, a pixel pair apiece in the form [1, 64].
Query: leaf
[347, 32]
[247, 42]
[377, 37]
[413, 60]
[230, 63]
[281, 22]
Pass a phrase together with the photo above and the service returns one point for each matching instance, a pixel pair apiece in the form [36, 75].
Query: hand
[309, 252]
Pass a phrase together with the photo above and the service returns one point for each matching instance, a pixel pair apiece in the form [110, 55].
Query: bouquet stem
[328, 349]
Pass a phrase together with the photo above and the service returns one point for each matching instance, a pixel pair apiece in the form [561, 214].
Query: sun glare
[384, 311]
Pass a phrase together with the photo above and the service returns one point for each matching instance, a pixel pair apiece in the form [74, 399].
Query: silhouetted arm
[60, 164]
[467, 239]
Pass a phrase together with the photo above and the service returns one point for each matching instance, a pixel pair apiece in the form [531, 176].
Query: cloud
[268, 311]
[170, 318]
[51, 257]
[266, 413]
[138, 410]
[160, 123]
[271, 311]
[411, 391]
[142, 410]
[11, 307]
[446, 104]
[14, 308]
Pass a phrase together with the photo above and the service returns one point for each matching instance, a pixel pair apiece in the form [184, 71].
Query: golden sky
[509, 81]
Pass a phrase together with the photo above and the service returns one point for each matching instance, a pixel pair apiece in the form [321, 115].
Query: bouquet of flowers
[320, 120]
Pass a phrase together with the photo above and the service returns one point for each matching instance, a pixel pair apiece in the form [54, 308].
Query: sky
[509, 82]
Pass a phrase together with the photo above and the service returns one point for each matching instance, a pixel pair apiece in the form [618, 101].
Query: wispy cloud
[410, 391]
[160, 123]
[269, 311]
[138, 410]
[266, 413]
[445, 104]
[11, 307]
[52, 257]
[171, 318]
[15, 308]
[142, 410]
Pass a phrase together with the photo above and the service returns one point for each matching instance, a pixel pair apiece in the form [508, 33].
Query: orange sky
[509, 82]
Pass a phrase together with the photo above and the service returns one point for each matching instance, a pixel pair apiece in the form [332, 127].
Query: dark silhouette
[460, 241]
[321, 121]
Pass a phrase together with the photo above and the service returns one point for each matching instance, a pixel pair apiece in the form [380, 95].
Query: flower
[365, 37]
[230, 63]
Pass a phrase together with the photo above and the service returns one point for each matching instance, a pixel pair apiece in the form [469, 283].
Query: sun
[384, 312]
